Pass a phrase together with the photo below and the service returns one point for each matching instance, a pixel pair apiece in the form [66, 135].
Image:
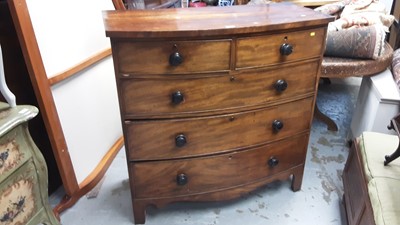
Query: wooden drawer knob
[176, 58]
[177, 97]
[181, 179]
[280, 85]
[272, 162]
[277, 125]
[180, 140]
[286, 49]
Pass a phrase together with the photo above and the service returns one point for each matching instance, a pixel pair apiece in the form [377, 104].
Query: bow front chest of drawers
[215, 102]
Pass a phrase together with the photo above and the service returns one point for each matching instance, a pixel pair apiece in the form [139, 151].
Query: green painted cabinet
[23, 171]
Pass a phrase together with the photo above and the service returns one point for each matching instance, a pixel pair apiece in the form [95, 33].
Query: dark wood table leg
[394, 125]
[325, 119]
[393, 156]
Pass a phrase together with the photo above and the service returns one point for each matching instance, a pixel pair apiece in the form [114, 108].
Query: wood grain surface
[210, 21]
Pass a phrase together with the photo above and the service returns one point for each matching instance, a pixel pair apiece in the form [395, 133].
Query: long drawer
[154, 57]
[172, 96]
[165, 139]
[265, 50]
[206, 174]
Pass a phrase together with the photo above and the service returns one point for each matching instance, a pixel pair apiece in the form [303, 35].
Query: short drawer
[164, 139]
[20, 196]
[265, 50]
[12, 154]
[202, 175]
[154, 57]
[167, 97]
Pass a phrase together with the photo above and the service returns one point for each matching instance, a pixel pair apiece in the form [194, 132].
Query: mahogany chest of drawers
[215, 102]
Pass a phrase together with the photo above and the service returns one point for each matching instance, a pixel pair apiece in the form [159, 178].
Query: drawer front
[12, 154]
[183, 96]
[20, 196]
[265, 50]
[164, 139]
[154, 57]
[202, 175]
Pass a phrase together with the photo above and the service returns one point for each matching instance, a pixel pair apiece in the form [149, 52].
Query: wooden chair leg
[393, 156]
[394, 125]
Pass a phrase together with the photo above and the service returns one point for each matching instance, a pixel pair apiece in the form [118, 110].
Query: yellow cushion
[385, 200]
[373, 148]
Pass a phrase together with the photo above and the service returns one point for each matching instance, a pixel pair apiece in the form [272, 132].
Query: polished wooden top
[210, 21]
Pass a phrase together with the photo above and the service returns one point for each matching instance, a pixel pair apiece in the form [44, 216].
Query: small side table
[23, 171]
[335, 67]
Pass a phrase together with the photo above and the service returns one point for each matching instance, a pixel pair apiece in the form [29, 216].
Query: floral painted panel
[17, 203]
[4, 114]
[10, 156]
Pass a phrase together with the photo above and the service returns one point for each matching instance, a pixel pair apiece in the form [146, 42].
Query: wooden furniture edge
[92, 180]
[23, 25]
[119, 5]
[79, 67]
[102, 167]
[366, 206]
[394, 34]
